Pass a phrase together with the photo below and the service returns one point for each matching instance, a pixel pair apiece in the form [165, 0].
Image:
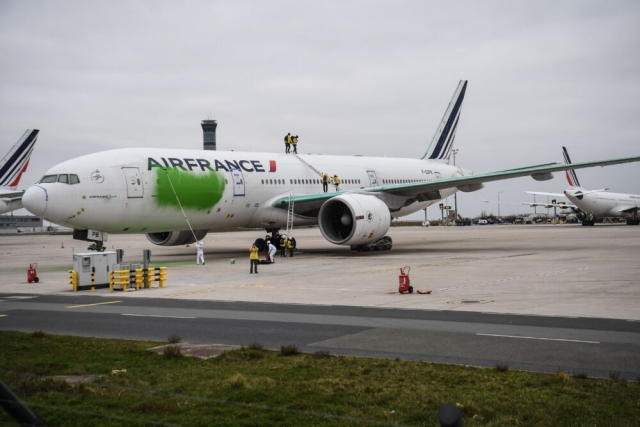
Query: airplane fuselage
[143, 190]
[604, 204]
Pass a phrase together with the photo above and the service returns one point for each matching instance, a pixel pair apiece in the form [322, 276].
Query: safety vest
[336, 180]
[289, 244]
[283, 243]
[294, 140]
[325, 177]
[254, 252]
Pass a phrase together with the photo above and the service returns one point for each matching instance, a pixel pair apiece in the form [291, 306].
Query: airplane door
[373, 178]
[134, 182]
[238, 182]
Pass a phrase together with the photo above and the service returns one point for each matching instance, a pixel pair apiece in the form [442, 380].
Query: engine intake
[176, 238]
[354, 219]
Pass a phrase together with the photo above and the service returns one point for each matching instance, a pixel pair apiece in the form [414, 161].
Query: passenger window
[74, 179]
[63, 179]
[48, 179]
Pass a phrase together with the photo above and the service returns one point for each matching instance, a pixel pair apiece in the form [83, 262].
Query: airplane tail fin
[15, 162]
[442, 141]
[572, 178]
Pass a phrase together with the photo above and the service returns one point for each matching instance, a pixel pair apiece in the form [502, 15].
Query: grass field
[127, 385]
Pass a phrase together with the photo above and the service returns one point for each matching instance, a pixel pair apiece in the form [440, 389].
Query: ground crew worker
[272, 252]
[287, 143]
[253, 259]
[325, 182]
[336, 181]
[200, 252]
[283, 247]
[290, 246]
[294, 142]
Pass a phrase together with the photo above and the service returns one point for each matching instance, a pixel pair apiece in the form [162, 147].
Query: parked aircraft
[592, 204]
[12, 166]
[175, 196]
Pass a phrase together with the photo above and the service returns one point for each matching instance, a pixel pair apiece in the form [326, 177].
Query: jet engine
[354, 219]
[176, 238]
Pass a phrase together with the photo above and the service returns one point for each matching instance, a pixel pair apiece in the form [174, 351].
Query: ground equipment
[404, 282]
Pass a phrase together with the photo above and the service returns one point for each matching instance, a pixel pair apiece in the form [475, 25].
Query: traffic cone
[62, 247]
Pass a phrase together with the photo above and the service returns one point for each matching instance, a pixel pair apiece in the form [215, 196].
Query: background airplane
[592, 204]
[12, 166]
[176, 196]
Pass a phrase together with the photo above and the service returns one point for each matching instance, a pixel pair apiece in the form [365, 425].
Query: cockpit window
[63, 178]
[74, 179]
[48, 178]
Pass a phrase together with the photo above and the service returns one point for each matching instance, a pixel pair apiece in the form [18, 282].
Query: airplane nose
[35, 200]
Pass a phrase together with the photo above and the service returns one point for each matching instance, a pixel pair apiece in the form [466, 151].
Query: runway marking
[537, 338]
[511, 279]
[20, 297]
[158, 315]
[98, 303]
[3, 315]
[189, 293]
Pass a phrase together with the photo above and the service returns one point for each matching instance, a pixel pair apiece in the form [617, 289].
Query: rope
[180, 204]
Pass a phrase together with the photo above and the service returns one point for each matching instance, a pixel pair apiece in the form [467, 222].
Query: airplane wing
[541, 193]
[625, 209]
[10, 201]
[550, 205]
[399, 195]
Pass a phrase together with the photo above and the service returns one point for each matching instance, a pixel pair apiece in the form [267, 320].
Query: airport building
[209, 134]
[19, 223]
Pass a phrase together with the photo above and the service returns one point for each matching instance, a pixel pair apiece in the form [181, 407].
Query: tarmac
[545, 270]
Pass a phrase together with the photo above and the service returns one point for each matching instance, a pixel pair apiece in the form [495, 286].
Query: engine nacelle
[176, 238]
[542, 176]
[354, 219]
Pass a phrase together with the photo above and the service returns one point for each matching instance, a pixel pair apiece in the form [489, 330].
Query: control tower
[209, 134]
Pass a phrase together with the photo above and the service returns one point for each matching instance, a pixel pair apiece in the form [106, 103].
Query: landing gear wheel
[410, 289]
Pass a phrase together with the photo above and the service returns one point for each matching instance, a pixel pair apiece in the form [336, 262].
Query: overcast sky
[349, 77]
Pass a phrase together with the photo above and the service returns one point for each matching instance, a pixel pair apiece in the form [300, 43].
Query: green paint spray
[196, 191]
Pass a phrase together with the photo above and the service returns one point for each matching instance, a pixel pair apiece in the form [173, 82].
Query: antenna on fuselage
[180, 204]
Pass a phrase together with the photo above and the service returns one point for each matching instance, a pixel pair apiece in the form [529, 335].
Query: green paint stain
[197, 191]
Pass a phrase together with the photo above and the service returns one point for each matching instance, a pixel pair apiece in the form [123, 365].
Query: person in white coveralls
[200, 256]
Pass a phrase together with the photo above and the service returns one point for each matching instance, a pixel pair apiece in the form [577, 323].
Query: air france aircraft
[175, 196]
[12, 166]
[592, 204]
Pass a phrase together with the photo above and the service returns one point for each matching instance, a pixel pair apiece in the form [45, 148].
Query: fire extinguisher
[32, 275]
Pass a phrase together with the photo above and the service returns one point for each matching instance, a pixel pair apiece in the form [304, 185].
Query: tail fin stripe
[572, 178]
[13, 163]
[439, 152]
[442, 141]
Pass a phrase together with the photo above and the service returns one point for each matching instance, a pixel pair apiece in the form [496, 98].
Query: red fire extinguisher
[32, 275]
[404, 284]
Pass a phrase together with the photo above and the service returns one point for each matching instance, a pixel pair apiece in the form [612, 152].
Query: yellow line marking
[189, 293]
[98, 303]
[3, 315]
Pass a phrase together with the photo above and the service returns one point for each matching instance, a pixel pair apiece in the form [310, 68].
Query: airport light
[499, 203]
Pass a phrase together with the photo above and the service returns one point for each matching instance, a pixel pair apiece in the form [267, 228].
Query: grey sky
[349, 77]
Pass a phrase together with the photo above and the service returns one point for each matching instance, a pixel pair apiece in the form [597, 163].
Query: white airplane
[12, 166]
[592, 204]
[176, 196]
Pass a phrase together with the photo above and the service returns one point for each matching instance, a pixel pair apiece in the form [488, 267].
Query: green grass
[256, 387]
